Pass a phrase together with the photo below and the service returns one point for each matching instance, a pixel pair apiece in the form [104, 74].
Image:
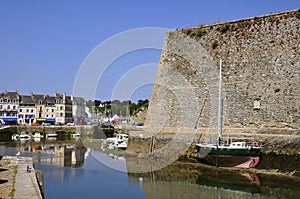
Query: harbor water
[73, 170]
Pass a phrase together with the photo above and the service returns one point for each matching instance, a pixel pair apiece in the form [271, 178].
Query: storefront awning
[9, 119]
[50, 119]
[40, 119]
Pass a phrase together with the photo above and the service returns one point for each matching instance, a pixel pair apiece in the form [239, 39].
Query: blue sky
[44, 43]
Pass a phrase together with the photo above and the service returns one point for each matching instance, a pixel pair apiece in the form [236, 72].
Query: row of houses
[26, 109]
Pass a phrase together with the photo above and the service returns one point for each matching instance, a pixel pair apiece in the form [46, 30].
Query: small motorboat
[15, 136]
[118, 142]
[76, 135]
[24, 136]
[37, 135]
[122, 145]
[51, 135]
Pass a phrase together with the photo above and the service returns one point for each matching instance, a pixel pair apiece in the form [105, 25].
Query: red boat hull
[232, 161]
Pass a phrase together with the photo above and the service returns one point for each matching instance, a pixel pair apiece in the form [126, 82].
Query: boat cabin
[123, 137]
[237, 145]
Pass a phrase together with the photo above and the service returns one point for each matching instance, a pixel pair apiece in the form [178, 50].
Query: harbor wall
[260, 86]
[260, 79]
[260, 75]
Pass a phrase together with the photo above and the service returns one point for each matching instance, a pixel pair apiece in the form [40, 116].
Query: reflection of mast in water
[152, 174]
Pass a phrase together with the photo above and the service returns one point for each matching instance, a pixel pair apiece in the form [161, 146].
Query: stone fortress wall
[260, 78]
[260, 73]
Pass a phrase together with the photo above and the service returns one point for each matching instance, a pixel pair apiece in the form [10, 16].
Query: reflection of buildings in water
[87, 153]
[74, 156]
[58, 155]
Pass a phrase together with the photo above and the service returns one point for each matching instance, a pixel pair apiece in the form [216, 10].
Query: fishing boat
[229, 151]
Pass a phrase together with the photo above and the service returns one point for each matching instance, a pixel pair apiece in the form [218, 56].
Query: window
[14, 107]
[40, 115]
[47, 115]
[1, 107]
[52, 110]
[8, 100]
[41, 109]
[61, 114]
[31, 110]
[61, 108]
[8, 106]
[27, 110]
[40, 102]
[52, 116]
[256, 105]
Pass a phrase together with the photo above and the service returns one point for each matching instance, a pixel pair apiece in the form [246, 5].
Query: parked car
[35, 124]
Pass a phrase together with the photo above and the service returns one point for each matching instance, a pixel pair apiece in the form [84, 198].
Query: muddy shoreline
[275, 158]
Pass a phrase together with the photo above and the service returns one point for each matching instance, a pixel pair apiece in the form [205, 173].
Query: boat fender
[255, 144]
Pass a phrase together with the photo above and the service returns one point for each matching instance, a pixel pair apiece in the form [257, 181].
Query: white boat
[51, 135]
[118, 142]
[37, 139]
[15, 136]
[122, 145]
[24, 136]
[76, 135]
[37, 135]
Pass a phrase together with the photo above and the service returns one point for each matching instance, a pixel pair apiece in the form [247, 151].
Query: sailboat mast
[220, 101]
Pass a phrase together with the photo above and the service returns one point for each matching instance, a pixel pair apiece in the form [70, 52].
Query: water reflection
[63, 153]
[59, 158]
[190, 180]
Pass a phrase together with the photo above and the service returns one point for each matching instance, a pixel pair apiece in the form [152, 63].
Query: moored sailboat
[229, 152]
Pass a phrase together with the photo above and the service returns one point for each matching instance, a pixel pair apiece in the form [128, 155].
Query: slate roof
[26, 99]
[50, 100]
[37, 98]
[9, 95]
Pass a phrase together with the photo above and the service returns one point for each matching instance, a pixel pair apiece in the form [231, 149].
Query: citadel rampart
[260, 78]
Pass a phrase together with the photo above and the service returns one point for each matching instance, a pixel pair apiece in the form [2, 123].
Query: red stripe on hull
[232, 161]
